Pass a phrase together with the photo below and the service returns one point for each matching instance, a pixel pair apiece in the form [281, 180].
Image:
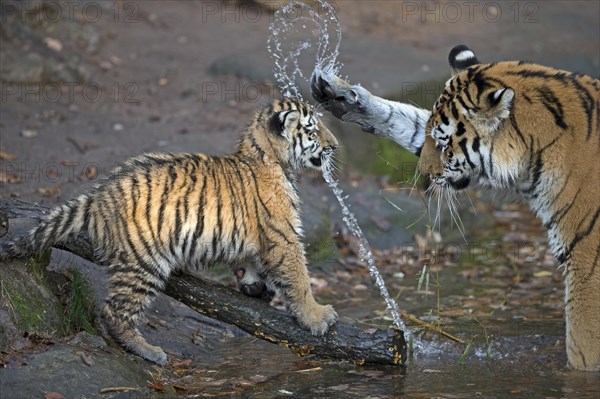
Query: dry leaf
[9, 178]
[53, 44]
[53, 395]
[87, 359]
[49, 192]
[29, 133]
[91, 172]
[179, 388]
[157, 386]
[7, 156]
[183, 363]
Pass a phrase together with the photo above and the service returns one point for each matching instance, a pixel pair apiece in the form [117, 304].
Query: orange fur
[162, 212]
[533, 130]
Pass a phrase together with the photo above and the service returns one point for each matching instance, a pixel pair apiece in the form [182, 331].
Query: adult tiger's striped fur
[518, 126]
[161, 212]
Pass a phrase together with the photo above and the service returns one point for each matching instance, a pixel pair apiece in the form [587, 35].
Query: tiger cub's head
[289, 132]
[467, 121]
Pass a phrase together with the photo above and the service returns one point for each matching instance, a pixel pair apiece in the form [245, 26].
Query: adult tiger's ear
[283, 121]
[498, 110]
[460, 58]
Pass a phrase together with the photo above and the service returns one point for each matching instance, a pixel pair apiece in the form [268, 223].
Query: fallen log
[255, 316]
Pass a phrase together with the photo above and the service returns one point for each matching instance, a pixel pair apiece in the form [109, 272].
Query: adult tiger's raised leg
[402, 123]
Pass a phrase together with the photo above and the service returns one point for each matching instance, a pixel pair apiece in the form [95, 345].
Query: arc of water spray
[295, 18]
[287, 70]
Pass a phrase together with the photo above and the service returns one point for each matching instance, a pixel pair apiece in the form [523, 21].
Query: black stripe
[560, 191]
[513, 122]
[416, 131]
[580, 236]
[445, 120]
[176, 234]
[233, 201]
[454, 110]
[135, 195]
[391, 113]
[553, 106]
[86, 213]
[462, 102]
[587, 102]
[201, 205]
[148, 210]
[169, 181]
[558, 215]
[460, 130]
[463, 146]
[264, 206]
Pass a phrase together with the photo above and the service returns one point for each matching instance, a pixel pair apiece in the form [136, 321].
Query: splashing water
[294, 29]
[289, 39]
[364, 249]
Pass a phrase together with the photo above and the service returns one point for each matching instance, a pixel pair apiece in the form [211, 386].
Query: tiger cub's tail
[63, 221]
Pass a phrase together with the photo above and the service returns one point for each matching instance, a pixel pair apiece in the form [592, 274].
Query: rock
[27, 69]
[29, 303]
[61, 369]
[3, 223]
[254, 66]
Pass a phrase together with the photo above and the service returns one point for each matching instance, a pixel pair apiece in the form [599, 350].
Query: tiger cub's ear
[283, 121]
[460, 58]
[490, 118]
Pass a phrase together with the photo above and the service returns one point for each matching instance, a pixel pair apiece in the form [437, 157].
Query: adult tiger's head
[289, 132]
[469, 123]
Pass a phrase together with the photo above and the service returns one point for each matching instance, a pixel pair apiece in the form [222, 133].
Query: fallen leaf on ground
[7, 156]
[53, 395]
[29, 133]
[156, 386]
[49, 192]
[318, 284]
[53, 44]
[87, 358]
[9, 178]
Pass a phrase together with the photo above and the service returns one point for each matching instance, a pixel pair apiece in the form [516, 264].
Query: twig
[118, 389]
[431, 327]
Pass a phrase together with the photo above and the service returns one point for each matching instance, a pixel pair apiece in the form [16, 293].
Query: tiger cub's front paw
[318, 318]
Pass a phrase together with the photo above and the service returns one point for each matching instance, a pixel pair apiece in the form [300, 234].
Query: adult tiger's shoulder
[162, 212]
[534, 130]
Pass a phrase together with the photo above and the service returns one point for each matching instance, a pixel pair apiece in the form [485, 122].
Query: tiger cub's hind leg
[251, 282]
[131, 291]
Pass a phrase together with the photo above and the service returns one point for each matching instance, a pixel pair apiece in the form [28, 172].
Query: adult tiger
[517, 126]
[161, 212]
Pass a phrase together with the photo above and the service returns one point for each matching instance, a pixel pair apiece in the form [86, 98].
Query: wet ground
[186, 76]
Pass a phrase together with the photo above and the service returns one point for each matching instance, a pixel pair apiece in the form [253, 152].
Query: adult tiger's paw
[319, 318]
[344, 101]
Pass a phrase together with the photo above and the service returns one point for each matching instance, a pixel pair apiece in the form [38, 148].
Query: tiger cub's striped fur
[162, 212]
[534, 130]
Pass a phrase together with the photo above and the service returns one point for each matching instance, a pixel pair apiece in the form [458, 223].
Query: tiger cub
[163, 212]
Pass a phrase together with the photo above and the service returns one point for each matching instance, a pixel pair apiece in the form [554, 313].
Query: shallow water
[510, 313]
